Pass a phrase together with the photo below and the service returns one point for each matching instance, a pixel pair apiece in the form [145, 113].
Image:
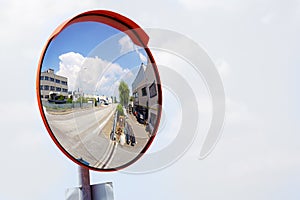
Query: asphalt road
[80, 133]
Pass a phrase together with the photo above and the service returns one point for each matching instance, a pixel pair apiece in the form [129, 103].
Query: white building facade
[51, 83]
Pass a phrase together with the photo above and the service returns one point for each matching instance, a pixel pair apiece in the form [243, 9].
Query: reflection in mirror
[100, 95]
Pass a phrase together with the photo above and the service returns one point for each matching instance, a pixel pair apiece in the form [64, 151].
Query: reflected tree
[123, 93]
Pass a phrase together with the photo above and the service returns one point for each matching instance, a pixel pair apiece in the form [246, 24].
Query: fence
[66, 106]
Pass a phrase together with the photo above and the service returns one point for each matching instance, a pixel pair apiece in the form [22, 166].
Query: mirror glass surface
[99, 93]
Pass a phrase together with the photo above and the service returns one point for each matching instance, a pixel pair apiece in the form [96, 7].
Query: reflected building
[50, 83]
[144, 89]
[102, 99]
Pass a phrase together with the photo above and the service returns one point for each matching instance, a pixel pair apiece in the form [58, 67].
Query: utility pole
[84, 183]
[85, 191]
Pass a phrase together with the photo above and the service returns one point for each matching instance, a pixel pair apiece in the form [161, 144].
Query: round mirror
[99, 91]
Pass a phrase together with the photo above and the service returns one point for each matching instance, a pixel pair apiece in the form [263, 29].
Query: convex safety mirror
[99, 91]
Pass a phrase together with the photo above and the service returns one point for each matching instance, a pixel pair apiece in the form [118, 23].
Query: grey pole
[84, 183]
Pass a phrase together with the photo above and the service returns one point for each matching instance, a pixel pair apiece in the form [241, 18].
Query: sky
[80, 38]
[254, 45]
[94, 56]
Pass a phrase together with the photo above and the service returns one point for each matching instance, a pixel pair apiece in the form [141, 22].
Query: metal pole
[84, 183]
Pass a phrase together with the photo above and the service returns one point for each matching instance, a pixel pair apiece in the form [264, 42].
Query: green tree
[69, 100]
[81, 100]
[120, 110]
[123, 93]
[61, 97]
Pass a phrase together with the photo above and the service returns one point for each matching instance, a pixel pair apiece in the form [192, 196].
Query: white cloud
[92, 75]
[128, 46]
[200, 3]
[205, 4]
[69, 66]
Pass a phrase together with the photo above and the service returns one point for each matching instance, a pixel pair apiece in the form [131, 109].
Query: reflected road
[84, 134]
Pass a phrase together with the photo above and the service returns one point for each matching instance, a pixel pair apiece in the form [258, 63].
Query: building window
[135, 95]
[46, 78]
[64, 90]
[64, 82]
[41, 87]
[152, 119]
[46, 87]
[42, 96]
[52, 88]
[152, 90]
[47, 96]
[58, 89]
[51, 79]
[144, 91]
[57, 81]
[42, 78]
